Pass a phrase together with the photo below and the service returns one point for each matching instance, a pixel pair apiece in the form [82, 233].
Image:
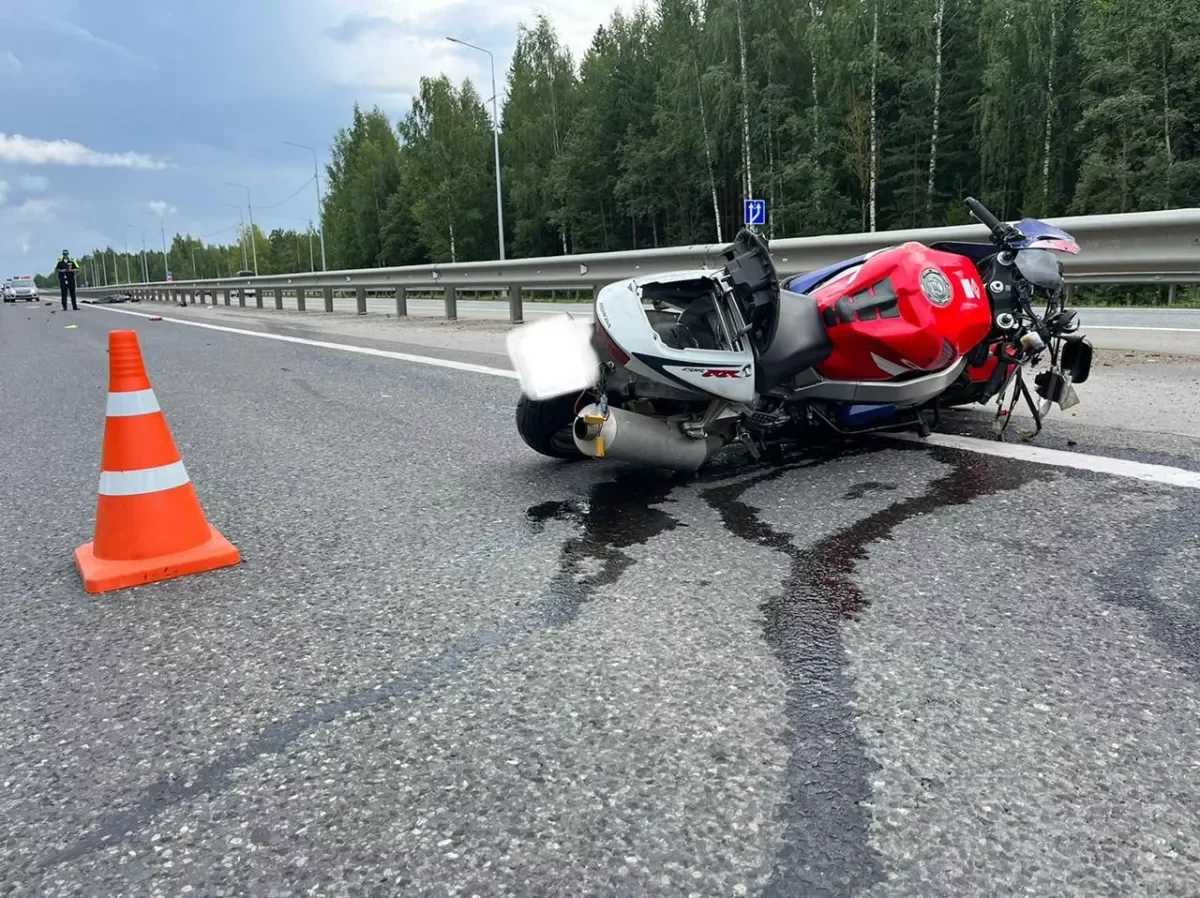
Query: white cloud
[34, 183]
[9, 64]
[21, 150]
[3, 192]
[158, 207]
[386, 46]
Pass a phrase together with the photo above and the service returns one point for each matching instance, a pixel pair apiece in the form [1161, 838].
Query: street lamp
[128, 276]
[317, 181]
[495, 141]
[163, 230]
[253, 242]
[145, 268]
[241, 233]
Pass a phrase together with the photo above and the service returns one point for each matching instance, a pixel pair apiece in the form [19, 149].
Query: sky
[120, 119]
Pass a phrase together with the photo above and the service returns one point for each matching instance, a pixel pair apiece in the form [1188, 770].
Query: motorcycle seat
[800, 342]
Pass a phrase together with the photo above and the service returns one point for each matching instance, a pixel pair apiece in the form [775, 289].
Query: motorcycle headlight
[936, 287]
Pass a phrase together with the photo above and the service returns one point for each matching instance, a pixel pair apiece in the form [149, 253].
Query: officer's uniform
[66, 269]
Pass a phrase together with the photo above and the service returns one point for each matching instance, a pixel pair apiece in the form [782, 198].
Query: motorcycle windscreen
[554, 356]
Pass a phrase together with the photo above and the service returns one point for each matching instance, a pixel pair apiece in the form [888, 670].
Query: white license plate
[554, 356]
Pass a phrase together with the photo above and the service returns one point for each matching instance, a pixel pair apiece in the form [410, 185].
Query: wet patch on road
[620, 513]
[1152, 576]
[827, 827]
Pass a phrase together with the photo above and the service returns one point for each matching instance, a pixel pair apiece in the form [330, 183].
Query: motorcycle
[677, 366]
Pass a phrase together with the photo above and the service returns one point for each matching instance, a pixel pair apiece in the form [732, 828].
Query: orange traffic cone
[149, 523]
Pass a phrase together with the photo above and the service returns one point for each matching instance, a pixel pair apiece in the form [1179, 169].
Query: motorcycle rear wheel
[546, 426]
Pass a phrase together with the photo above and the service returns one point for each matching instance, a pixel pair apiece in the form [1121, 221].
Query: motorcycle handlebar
[985, 217]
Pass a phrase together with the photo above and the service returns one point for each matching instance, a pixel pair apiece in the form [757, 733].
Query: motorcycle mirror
[1077, 358]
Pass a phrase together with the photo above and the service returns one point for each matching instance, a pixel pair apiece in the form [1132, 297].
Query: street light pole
[250, 207]
[145, 267]
[495, 141]
[317, 181]
[128, 276]
[163, 230]
[241, 233]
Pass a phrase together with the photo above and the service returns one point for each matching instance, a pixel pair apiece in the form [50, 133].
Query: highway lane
[448, 666]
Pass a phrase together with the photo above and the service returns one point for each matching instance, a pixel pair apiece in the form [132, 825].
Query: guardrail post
[242, 297]
[451, 302]
[328, 299]
[228, 296]
[595, 292]
[516, 309]
[300, 303]
[401, 302]
[360, 299]
[258, 297]
[279, 298]
[1171, 290]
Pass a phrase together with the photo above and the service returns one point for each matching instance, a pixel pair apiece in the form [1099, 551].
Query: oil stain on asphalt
[826, 844]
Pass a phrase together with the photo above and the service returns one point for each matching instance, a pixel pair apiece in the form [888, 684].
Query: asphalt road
[447, 666]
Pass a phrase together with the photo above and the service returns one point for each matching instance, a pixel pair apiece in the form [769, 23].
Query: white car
[21, 288]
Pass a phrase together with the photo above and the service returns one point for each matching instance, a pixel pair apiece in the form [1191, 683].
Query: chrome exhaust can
[640, 439]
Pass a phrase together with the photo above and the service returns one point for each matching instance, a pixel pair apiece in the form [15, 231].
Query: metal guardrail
[1136, 248]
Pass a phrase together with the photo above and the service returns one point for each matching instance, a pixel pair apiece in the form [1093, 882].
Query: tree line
[282, 251]
[844, 115]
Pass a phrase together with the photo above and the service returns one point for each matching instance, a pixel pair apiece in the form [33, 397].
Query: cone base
[100, 575]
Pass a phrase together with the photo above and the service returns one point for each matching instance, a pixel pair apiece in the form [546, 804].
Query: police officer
[66, 269]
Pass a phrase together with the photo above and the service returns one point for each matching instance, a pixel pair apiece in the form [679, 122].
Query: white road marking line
[323, 344]
[1100, 464]
[1084, 328]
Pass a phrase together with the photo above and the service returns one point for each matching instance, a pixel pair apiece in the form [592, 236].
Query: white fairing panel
[729, 375]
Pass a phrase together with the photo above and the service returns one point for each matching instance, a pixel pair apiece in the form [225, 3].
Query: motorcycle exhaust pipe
[640, 439]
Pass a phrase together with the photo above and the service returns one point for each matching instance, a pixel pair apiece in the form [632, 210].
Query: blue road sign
[756, 212]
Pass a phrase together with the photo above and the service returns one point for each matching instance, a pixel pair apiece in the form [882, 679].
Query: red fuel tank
[905, 309]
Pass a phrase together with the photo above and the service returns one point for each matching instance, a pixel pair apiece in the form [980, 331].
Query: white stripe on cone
[128, 405]
[148, 480]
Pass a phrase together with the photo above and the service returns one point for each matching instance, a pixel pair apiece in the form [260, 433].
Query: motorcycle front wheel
[546, 426]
